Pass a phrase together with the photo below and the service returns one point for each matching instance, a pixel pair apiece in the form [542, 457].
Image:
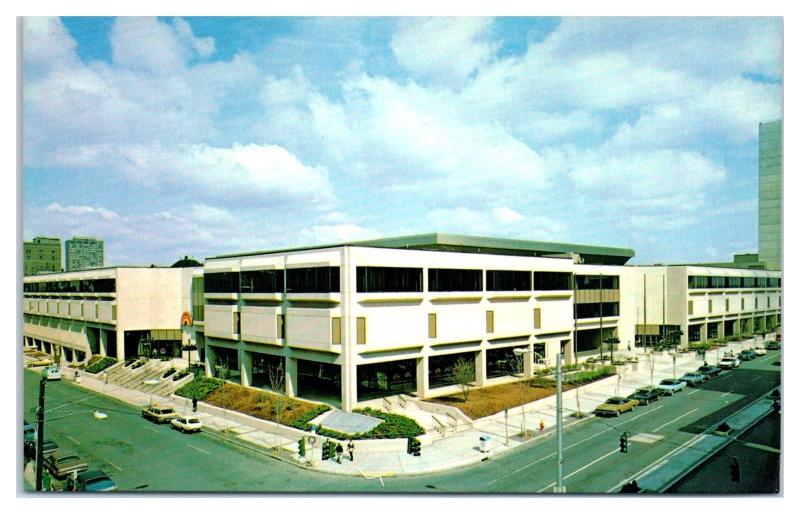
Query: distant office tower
[770, 181]
[41, 254]
[83, 253]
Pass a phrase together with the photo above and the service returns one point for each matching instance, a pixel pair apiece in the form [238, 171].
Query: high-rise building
[770, 180]
[41, 254]
[83, 253]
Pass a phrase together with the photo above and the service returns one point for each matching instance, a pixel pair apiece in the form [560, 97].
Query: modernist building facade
[351, 322]
[119, 312]
[83, 253]
[770, 187]
[42, 255]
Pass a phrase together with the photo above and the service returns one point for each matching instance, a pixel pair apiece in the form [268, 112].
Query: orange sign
[186, 319]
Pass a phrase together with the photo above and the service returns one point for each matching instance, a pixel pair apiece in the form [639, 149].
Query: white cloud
[444, 51]
[204, 46]
[337, 233]
[507, 214]
[147, 44]
[82, 210]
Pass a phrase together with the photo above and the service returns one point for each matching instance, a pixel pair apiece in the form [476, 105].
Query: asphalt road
[141, 456]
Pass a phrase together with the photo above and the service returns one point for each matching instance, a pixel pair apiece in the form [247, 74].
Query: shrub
[199, 388]
[169, 372]
[394, 426]
[100, 365]
[179, 375]
[584, 377]
[304, 422]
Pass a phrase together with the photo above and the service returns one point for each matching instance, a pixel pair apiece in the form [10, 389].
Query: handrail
[387, 405]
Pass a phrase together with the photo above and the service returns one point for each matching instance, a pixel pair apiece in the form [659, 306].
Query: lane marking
[726, 394]
[73, 440]
[612, 452]
[118, 468]
[757, 378]
[761, 447]
[198, 449]
[674, 420]
[523, 468]
[693, 392]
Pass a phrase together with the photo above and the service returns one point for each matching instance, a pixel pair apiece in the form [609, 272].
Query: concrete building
[770, 187]
[83, 253]
[43, 254]
[120, 312]
[699, 301]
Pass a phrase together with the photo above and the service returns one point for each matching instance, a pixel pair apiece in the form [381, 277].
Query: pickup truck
[159, 414]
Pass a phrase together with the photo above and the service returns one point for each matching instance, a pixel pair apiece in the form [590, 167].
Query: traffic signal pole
[40, 433]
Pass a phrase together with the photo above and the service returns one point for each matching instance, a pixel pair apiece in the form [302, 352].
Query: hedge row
[585, 377]
[199, 388]
[100, 365]
[394, 426]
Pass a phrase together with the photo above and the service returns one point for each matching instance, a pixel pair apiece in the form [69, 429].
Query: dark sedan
[709, 371]
[747, 355]
[646, 395]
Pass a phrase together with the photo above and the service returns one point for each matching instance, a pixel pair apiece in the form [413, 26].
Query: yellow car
[615, 406]
[39, 362]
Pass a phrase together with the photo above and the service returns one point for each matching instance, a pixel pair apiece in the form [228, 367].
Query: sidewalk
[459, 446]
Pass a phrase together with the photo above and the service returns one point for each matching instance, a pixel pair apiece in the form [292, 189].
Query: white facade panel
[309, 328]
[219, 321]
[260, 324]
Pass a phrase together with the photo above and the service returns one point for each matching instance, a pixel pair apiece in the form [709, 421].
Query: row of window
[728, 304]
[711, 282]
[376, 279]
[100, 285]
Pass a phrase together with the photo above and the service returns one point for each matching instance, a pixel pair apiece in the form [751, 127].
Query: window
[733, 282]
[114, 312]
[261, 281]
[593, 310]
[762, 282]
[727, 305]
[537, 318]
[455, 279]
[224, 282]
[236, 322]
[198, 303]
[718, 282]
[313, 280]
[336, 330]
[506, 280]
[432, 325]
[691, 307]
[749, 281]
[81, 310]
[96, 309]
[489, 322]
[539, 356]
[281, 327]
[742, 304]
[697, 282]
[361, 330]
[373, 279]
[710, 306]
[551, 281]
[756, 303]
[596, 282]
[769, 302]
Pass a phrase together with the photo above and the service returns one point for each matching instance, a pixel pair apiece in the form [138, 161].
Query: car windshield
[192, 420]
[615, 401]
[67, 459]
[667, 382]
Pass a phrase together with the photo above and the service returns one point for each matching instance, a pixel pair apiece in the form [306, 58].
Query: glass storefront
[386, 378]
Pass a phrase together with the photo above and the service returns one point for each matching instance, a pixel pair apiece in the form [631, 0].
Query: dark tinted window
[733, 281]
[373, 279]
[551, 281]
[592, 310]
[596, 282]
[313, 280]
[225, 282]
[261, 281]
[455, 279]
[507, 280]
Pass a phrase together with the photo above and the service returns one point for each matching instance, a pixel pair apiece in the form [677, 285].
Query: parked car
[747, 355]
[29, 430]
[187, 424]
[615, 406]
[709, 371]
[760, 350]
[159, 414]
[773, 345]
[52, 373]
[39, 362]
[693, 379]
[671, 386]
[646, 395]
[728, 363]
[60, 464]
[93, 480]
[48, 446]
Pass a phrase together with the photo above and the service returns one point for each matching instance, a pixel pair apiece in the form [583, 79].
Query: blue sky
[202, 136]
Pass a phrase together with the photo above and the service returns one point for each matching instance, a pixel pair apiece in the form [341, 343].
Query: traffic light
[414, 447]
[630, 487]
[736, 470]
[623, 443]
[326, 450]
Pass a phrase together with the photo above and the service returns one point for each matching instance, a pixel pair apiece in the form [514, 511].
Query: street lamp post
[559, 426]
[40, 433]
[520, 353]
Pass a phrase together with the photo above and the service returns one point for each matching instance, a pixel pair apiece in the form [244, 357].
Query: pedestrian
[339, 451]
[194, 404]
[541, 425]
[350, 449]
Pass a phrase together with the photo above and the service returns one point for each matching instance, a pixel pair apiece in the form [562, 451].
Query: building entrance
[386, 378]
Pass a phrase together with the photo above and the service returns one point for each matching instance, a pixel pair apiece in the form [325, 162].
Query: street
[141, 456]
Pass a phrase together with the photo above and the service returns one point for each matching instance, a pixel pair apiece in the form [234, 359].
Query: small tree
[277, 383]
[464, 374]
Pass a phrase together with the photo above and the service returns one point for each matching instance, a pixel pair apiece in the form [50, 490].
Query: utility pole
[601, 317]
[40, 433]
[559, 426]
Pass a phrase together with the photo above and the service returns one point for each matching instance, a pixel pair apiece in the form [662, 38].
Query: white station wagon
[187, 424]
[671, 385]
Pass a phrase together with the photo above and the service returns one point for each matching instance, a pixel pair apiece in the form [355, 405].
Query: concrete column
[480, 368]
[102, 342]
[704, 332]
[209, 363]
[290, 365]
[527, 362]
[121, 345]
[569, 354]
[422, 377]
[246, 367]
[349, 387]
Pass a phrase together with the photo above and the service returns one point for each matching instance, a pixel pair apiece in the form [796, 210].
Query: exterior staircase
[152, 370]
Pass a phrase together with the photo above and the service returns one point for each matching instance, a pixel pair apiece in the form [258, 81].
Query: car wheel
[616, 414]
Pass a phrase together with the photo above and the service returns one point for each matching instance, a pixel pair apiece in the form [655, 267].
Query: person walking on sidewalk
[194, 404]
[350, 449]
[339, 451]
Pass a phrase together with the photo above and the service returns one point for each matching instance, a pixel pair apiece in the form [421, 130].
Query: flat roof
[437, 241]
